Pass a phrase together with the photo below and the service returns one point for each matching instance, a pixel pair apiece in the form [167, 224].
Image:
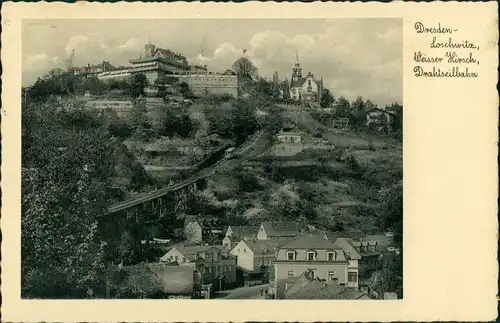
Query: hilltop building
[305, 89]
[158, 64]
[92, 70]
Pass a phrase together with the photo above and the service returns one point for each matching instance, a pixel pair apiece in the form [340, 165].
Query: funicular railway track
[147, 197]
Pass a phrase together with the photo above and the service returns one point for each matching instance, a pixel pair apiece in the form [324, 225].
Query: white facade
[245, 255]
[175, 255]
[193, 232]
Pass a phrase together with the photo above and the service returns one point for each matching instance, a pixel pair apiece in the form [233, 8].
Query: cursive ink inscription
[420, 28]
[452, 44]
[447, 56]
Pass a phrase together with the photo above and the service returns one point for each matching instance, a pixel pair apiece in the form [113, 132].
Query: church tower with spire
[297, 70]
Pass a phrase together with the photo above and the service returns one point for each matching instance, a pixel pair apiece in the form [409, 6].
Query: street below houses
[252, 292]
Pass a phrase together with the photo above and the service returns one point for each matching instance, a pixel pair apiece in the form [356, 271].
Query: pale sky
[355, 57]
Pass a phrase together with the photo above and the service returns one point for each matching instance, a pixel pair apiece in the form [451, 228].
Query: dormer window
[290, 255]
[332, 256]
[311, 256]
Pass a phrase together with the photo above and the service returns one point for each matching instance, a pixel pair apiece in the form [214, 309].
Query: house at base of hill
[278, 231]
[203, 229]
[308, 287]
[323, 260]
[213, 264]
[257, 257]
[237, 233]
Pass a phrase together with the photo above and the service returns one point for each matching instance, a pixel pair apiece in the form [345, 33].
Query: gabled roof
[259, 246]
[381, 110]
[281, 229]
[312, 288]
[310, 242]
[205, 221]
[382, 240]
[347, 246]
[240, 231]
[190, 252]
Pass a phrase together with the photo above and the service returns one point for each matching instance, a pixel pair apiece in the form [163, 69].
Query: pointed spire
[297, 55]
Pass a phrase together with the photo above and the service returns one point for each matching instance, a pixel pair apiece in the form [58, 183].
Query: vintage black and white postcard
[196, 162]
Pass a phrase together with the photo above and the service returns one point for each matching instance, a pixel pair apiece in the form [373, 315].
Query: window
[291, 255]
[183, 259]
[238, 250]
[352, 277]
[244, 250]
[258, 262]
[331, 276]
[291, 273]
[225, 268]
[206, 270]
[176, 258]
[310, 256]
[331, 256]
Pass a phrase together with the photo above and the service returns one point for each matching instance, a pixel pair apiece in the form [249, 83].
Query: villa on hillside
[305, 89]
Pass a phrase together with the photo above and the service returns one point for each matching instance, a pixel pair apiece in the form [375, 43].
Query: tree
[185, 90]
[244, 120]
[397, 124]
[66, 172]
[245, 68]
[391, 210]
[175, 121]
[273, 122]
[327, 99]
[358, 116]
[285, 87]
[390, 278]
[137, 84]
[342, 108]
[138, 118]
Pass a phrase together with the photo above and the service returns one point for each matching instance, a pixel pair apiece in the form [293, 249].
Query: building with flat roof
[159, 64]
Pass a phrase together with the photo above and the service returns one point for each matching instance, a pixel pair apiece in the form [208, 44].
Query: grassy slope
[352, 201]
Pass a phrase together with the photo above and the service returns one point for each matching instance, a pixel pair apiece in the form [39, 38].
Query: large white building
[305, 89]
